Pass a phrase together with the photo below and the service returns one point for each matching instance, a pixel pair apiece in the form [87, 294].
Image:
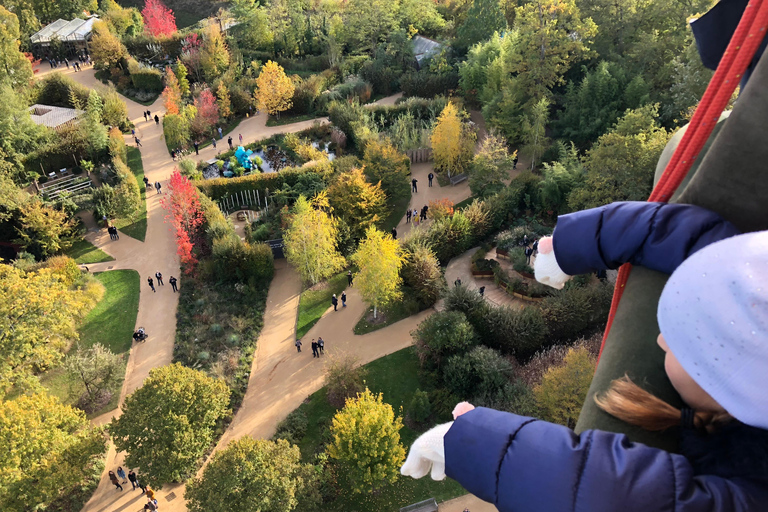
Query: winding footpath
[280, 377]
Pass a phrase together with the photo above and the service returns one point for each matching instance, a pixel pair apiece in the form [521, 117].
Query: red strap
[742, 48]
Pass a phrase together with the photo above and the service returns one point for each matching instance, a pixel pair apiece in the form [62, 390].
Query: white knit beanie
[713, 314]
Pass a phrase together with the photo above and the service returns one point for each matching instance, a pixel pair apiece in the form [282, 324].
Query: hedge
[428, 85]
[218, 188]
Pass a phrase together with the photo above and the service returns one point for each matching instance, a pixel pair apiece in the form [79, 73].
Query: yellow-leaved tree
[366, 442]
[274, 90]
[452, 142]
[360, 204]
[563, 388]
[310, 240]
[379, 259]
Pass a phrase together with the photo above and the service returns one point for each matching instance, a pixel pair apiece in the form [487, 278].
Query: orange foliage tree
[185, 215]
[440, 209]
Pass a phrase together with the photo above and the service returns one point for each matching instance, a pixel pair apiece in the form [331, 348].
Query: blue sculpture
[244, 157]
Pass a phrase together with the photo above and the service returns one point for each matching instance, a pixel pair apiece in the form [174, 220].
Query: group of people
[148, 117]
[158, 186]
[335, 300]
[530, 249]
[159, 276]
[80, 59]
[145, 489]
[416, 216]
[113, 234]
[318, 347]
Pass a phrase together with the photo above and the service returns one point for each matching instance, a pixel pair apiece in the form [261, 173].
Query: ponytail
[629, 402]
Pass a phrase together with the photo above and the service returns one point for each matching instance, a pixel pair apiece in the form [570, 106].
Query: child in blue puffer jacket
[713, 317]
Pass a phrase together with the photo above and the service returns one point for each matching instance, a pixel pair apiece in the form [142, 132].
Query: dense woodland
[585, 94]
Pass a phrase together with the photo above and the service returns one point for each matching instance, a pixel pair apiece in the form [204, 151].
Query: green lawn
[397, 210]
[86, 253]
[313, 303]
[463, 204]
[273, 121]
[393, 313]
[137, 226]
[397, 377]
[110, 323]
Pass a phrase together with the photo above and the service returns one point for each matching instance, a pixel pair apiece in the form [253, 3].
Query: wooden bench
[429, 505]
[455, 180]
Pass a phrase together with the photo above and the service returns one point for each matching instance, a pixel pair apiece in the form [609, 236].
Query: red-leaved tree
[185, 215]
[158, 19]
[207, 108]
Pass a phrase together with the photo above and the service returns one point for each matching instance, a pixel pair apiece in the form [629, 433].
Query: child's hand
[427, 453]
[545, 267]
[461, 408]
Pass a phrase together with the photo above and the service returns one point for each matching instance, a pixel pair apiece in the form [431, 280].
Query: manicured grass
[137, 226]
[273, 121]
[313, 303]
[393, 313]
[463, 204]
[397, 377]
[84, 252]
[110, 323]
[397, 210]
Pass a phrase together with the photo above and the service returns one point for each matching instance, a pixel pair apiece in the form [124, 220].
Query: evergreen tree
[484, 17]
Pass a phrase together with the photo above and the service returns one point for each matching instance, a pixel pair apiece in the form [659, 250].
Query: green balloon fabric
[728, 177]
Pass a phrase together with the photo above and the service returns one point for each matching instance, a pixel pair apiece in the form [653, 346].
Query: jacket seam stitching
[506, 449]
[580, 472]
[674, 481]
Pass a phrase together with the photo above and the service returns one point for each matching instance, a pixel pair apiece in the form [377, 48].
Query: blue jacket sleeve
[658, 236]
[521, 464]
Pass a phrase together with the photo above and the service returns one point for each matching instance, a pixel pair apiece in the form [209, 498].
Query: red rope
[741, 49]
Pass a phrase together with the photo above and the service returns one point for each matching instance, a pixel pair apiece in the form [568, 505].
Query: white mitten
[547, 271]
[427, 452]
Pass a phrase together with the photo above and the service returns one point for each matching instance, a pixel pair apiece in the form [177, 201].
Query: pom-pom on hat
[713, 314]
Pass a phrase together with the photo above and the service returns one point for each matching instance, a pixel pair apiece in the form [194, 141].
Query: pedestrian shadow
[124, 505]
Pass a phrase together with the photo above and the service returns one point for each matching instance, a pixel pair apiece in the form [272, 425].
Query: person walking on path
[121, 474]
[315, 353]
[415, 216]
[408, 216]
[414, 188]
[133, 479]
[145, 116]
[158, 187]
[431, 177]
[173, 155]
[394, 234]
[344, 299]
[150, 493]
[221, 133]
[528, 252]
[172, 280]
[229, 140]
[457, 282]
[149, 115]
[349, 277]
[114, 480]
[157, 120]
[424, 211]
[321, 345]
[514, 162]
[298, 345]
[197, 147]
[241, 138]
[146, 182]
[111, 235]
[335, 302]
[138, 142]
[159, 278]
[535, 247]
[151, 284]
[213, 141]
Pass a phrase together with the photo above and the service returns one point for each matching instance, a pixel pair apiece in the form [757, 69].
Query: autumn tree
[172, 92]
[563, 389]
[222, 99]
[94, 373]
[490, 166]
[383, 163]
[15, 68]
[207, 109]
[168, 423]
[274, 90]
[360, 204]
[127, 190]
[422, 272]
[254, 474]
[159, 20]
[185, 215]
[366, 442]
[310, 241]
[344, 379]
[621, 164]
[214, 55]
[177, 127]
[181, 75]
[41, 438]
[552, 35]
[43, 230]
[106, 49]
[378, 259]
[39, 314]
[452, 141]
